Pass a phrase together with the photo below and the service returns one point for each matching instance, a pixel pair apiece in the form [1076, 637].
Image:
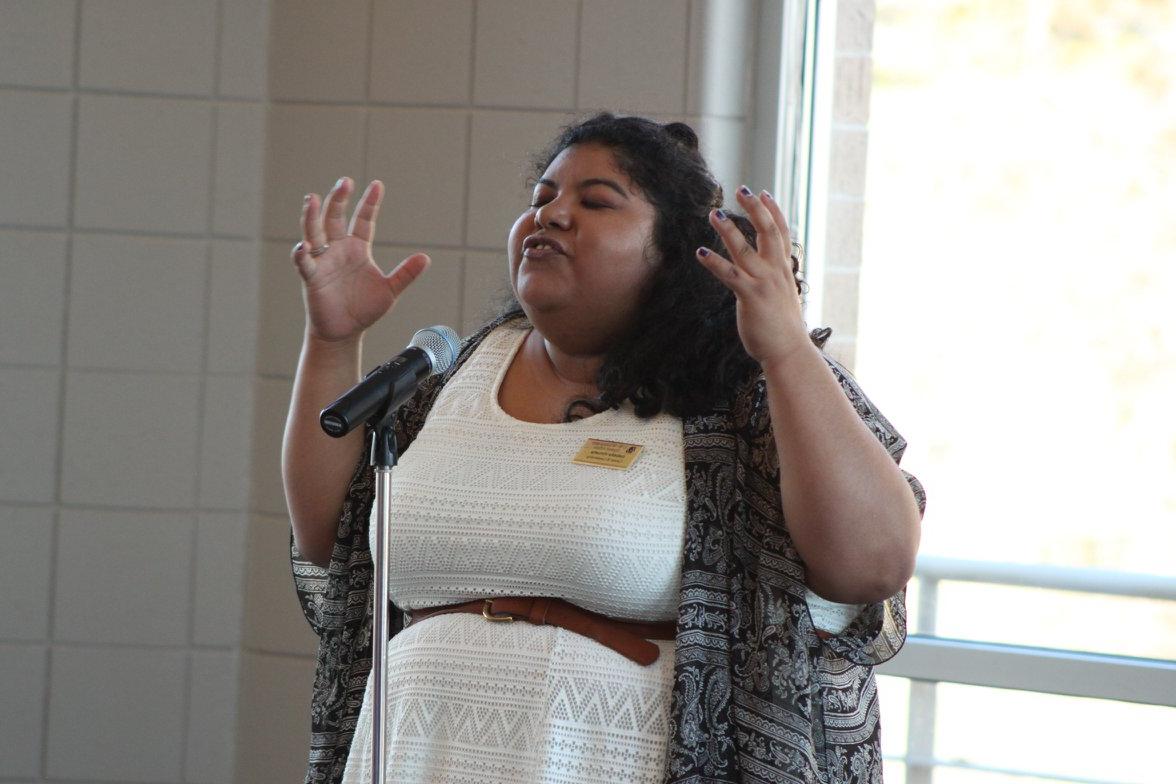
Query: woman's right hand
[344, 290]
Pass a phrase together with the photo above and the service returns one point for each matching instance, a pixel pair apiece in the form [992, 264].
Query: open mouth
[538, 247]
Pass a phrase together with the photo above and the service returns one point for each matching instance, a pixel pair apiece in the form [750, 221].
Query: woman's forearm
[848, 507]
[317, 469]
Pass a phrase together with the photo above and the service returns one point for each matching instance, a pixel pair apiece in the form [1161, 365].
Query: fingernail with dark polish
[745, 190]
[765, 193]
[720, 215]
[703, 251]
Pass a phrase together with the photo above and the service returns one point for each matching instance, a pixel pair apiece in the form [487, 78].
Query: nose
[553, 214]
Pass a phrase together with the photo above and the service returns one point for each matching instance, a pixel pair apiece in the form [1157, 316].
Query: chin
[538, 296]
[537, 307]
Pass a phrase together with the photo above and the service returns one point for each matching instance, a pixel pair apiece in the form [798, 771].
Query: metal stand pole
[382, 458]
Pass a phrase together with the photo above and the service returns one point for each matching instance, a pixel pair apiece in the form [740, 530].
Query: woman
[646, 316]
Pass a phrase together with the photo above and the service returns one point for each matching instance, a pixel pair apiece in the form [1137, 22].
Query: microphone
[431, 350]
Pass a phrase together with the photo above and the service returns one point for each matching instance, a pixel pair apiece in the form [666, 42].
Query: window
[1014, 320]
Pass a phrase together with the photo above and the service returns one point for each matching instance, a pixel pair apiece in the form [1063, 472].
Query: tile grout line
[370, 42]
[287, 240]
[365, 143]
[465, 224]
[120, 646]
[471, 73]
[467, 179]
[135, 233]
[201, 394]
[206, 310]
[283, 240]
[690, 52]
[120, 509]
[62, 388]
[576, 57]
[454, 107]
[405, 244]
[260, 171]
[114, 92]
[234, 374]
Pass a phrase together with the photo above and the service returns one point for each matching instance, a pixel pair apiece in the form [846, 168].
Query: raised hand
[767, 306]
[344, 290]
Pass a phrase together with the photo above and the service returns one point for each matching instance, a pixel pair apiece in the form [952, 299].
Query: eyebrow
[588, 183]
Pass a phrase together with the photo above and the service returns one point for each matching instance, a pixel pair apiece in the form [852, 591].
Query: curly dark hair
[682, 354]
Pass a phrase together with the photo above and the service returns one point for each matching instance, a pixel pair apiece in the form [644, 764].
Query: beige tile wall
[130, 215]
[847, 174]
[155, 155]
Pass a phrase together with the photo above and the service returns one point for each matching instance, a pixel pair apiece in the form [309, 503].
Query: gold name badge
[608, 454]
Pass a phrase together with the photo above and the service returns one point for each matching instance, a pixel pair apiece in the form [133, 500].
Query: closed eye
[592, 205]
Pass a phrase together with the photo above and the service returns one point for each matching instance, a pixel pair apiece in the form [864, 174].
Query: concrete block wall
[845, 205]
[154, 157]
[131, 134]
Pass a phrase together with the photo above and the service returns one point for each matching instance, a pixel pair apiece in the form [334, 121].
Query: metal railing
[928, 660]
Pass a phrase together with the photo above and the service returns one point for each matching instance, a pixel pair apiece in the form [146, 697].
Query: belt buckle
[488, 613]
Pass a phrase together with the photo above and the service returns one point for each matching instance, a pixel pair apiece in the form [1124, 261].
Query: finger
[740, 250]
[406, 272]
[335, 210]
[312, 230]
[302, 261]
[767, 234]
[363, 222]
[778, 218]
[777, 214]
[728, 274]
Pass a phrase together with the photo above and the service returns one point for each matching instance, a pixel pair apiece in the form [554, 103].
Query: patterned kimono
[758, 695]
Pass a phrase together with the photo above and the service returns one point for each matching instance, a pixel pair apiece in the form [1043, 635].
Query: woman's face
[581, 254]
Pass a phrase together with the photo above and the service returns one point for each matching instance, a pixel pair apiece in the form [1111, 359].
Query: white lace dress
[487, 505]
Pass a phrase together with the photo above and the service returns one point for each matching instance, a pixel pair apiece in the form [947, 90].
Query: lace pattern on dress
[757, 695]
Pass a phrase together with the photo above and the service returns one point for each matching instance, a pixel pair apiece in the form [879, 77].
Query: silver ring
[320, 250]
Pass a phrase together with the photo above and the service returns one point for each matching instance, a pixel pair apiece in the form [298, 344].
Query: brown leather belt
[629, 638]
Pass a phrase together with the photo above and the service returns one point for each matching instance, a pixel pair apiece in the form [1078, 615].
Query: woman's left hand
[768, 307]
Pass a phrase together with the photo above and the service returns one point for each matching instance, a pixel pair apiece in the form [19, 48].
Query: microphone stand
[374, 400]
[382, 458]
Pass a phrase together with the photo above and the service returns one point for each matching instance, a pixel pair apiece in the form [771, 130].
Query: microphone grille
[440, 343]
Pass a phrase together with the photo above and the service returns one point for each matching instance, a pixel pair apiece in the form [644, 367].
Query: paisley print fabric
[758, 696]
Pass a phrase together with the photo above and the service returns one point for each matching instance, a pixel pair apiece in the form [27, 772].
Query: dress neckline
[500, 376]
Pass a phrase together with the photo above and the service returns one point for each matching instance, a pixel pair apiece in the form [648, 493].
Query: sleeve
[322, 592]
[327, 595]
[879, 630]
[332, 597]
[863, 634]
[878, 424]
